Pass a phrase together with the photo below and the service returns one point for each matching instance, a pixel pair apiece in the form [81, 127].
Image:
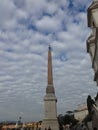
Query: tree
[69, 119]
[60, 121]
[66, 119]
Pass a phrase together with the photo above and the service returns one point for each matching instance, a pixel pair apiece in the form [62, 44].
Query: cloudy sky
[27, 27]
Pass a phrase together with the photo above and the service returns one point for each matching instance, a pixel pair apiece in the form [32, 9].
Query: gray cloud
[27, 28]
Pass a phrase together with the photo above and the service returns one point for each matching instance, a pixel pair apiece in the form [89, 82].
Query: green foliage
[67, 119]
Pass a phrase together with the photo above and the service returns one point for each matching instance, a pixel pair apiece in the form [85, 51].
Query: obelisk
[50, 109]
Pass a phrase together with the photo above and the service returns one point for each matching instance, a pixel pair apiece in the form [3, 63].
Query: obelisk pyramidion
[50, 113]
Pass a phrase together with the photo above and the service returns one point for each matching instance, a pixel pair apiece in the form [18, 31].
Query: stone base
[50, 123]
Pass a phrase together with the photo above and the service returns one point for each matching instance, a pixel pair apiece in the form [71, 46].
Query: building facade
[92, 41]
[81, 112]
[50, 121]
[92, 49]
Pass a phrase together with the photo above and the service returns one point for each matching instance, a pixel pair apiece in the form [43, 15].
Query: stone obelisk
[50, 116]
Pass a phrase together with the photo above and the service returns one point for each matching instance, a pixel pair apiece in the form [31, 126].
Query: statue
[90, 102]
